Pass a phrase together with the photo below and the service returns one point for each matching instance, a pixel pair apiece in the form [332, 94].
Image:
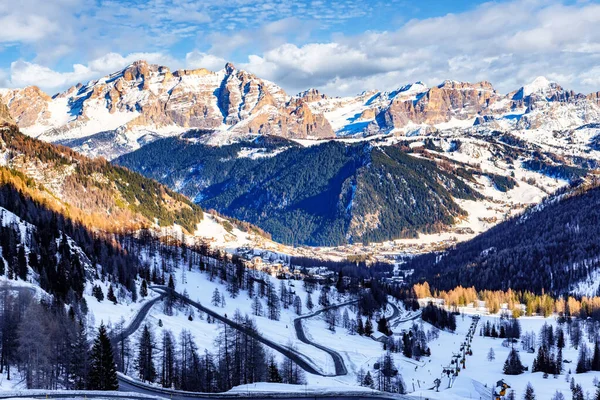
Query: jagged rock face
[440, 104]
[594, 98]
[27, 106]
[149, 101]
[144, 96]
[5, 118]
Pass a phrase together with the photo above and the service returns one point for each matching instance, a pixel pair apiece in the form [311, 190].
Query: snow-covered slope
[123, 111]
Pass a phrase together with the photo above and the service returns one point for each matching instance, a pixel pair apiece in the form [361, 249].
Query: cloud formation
[508, 43]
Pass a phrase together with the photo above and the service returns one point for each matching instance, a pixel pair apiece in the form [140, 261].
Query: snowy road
[338, 361]
[302, 360]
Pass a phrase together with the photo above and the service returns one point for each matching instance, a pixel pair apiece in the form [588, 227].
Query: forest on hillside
[549, 248]
[328, 194]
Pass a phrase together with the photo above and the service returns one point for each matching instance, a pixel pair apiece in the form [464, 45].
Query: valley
[219, 237]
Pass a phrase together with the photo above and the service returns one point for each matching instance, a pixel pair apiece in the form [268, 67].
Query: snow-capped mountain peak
[143, 102]
[540, 85]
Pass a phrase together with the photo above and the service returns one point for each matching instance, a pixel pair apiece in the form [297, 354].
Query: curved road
[302, 361]
[137, 321]
[127, 384]
[338, 361]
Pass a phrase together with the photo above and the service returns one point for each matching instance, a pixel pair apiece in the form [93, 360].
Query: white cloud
[197, 59]
[23, 73]
[506, 43]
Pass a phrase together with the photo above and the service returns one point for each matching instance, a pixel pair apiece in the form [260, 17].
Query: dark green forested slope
[550, 248]
[326, 194]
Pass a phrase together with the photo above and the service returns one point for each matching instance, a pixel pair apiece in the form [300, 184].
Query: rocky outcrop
[439, 104]
[152, 97]
[5, 118]
[145, 99]
[27, 106]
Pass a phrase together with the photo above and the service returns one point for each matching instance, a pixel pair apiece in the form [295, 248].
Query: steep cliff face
[5, 118]
[128, 109]
[145, 97]
[439, 104]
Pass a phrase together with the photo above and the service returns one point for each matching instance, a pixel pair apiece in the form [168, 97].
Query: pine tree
[368, 380]
[559, 362]
[97, 293]
[560, 340]
[382, 326]
[111, 294]
[368, 327]
[491, 356]
[273, 303]
[22, 263]
[558, 396]
[79, 359]
[257, 308]
[216, 298]
[145, 361]
[103, 371]
[168, 360]
[360, 329]
[297, 305]
[529, 393]
[512, 365]
[597, 395]
[273, 374]
[577, 392]
[596, 357]
[583, 361]
[144, 288]
[309, 302]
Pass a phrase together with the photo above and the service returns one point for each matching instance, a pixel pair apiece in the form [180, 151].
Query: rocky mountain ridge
[123, 111]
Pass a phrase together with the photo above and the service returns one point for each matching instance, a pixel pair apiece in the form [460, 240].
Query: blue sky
[340, 46]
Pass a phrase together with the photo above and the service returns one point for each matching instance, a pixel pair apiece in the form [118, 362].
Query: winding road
[302, 361]
[137, 321]
[127, 384]
[338, 361]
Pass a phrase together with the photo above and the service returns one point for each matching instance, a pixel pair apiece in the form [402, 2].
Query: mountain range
[312, 169]
[123, 111]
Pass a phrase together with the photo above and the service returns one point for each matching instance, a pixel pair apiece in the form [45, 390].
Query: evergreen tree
[144, 288]
[103, 371]
[97, 293]
[145, 360]
[216, 298]
[297, 305]
[22, 263]
[309, 302]
[273, 304]
[368, 327]
[512, 365]
[558, 396]
[491, 356]
[577, 392]
[407, 345]
[167, 378]
[529, 392]
[368, 380]
[383, 327]
[583, 360]
[79, 359]
[360, 329]
[111, 294]
[257, 308]
[273, 372]
[596, 357]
